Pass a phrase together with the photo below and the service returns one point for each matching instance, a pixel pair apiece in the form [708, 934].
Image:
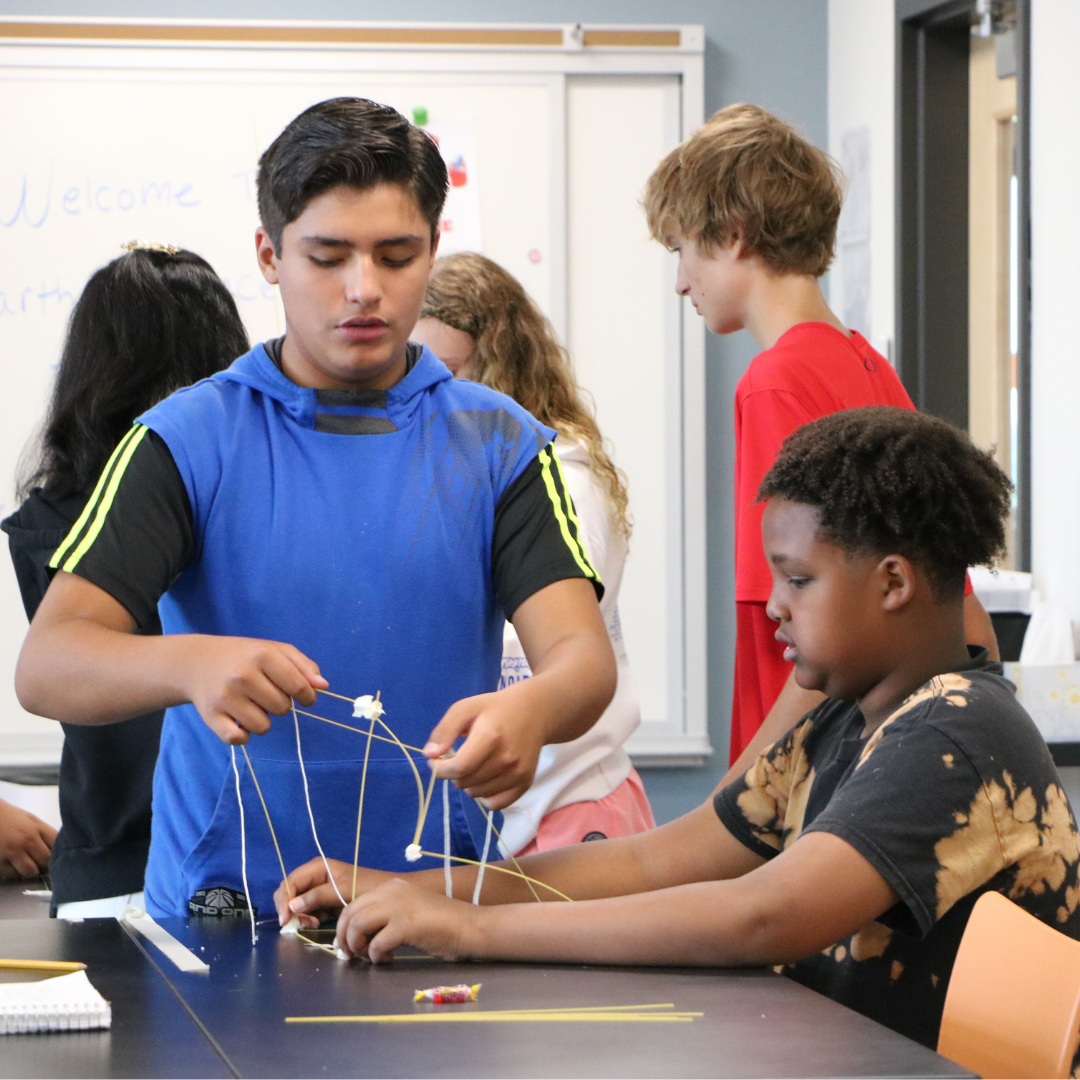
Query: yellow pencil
[42, 965]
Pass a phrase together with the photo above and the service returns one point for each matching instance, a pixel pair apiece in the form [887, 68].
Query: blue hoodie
[371, 553]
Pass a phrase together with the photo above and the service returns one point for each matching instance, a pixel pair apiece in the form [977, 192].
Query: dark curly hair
[888, 480]
[350, 142]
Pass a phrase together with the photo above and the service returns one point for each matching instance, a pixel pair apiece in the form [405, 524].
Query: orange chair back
[1013, 1006]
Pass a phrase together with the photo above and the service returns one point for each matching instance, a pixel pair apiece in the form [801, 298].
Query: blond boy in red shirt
[752, 208]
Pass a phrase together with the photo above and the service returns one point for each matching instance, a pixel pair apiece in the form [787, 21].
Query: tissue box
[1051, 695]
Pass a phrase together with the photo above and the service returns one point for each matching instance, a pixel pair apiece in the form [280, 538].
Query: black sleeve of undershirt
[536, 540]
[137, 545]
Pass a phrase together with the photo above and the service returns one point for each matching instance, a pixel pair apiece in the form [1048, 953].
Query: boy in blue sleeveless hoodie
[334, 511]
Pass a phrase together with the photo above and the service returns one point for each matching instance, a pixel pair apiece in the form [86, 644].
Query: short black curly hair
[887, 480]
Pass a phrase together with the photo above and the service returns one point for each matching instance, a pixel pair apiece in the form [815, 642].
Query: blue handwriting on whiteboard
[36, 203]
[51, 297]
[247, 180]
[248, 287]
[47, 299]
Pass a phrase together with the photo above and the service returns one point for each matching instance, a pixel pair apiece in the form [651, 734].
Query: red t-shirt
[812, 371]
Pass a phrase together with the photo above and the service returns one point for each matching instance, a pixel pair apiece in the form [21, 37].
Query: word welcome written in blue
[36, 203]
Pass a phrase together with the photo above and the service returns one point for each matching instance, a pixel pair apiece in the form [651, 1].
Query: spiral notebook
[63, 1003]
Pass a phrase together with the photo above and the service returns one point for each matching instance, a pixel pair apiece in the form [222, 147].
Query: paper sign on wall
[459, 226]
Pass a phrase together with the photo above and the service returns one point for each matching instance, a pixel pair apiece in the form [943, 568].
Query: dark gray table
[15, 904]
[152, 1033]
[756, 1023]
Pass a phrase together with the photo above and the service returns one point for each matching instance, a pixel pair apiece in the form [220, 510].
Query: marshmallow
[368, 708]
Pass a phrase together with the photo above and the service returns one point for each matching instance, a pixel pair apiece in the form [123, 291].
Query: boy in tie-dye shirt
[952, 796]
[853, 849]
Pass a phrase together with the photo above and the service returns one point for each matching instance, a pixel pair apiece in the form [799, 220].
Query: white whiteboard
[106, 142]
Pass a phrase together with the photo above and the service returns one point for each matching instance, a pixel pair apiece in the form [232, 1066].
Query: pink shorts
[624, 812]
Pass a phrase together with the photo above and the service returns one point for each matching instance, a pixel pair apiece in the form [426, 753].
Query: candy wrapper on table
[448, 995]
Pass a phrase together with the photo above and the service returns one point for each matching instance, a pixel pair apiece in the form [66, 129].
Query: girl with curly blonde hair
[482, 324]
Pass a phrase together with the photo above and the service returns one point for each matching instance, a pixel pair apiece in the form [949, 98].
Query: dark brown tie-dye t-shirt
[954, 795]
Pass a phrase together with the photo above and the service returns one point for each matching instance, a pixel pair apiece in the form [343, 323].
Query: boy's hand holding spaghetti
[498, 758]
[238, 683]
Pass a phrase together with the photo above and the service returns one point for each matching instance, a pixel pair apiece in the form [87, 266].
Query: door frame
[932, 74]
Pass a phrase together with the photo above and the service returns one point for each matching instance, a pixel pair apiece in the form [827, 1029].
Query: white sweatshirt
[594, 765]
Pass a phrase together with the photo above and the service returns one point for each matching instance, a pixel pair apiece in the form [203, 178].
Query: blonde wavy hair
[746, 168]
[516, 352]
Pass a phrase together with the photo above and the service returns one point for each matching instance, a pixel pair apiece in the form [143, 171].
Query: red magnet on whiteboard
[458, 175]
[534, 256]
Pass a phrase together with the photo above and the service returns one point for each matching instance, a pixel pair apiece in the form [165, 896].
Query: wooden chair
[1013, 1005]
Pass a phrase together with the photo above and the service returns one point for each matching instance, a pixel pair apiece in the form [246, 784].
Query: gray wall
[771, 52]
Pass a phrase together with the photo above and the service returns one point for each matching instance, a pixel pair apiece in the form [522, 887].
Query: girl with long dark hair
[150, 322]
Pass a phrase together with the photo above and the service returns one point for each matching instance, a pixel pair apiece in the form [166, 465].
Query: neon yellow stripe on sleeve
[106, 503]
[564, 525]
[572, 512]
[91, 503]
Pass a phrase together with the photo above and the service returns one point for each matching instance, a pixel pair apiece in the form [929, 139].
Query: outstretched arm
[569, 651]
[83, 663]
[696, 847]
[810, 896]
